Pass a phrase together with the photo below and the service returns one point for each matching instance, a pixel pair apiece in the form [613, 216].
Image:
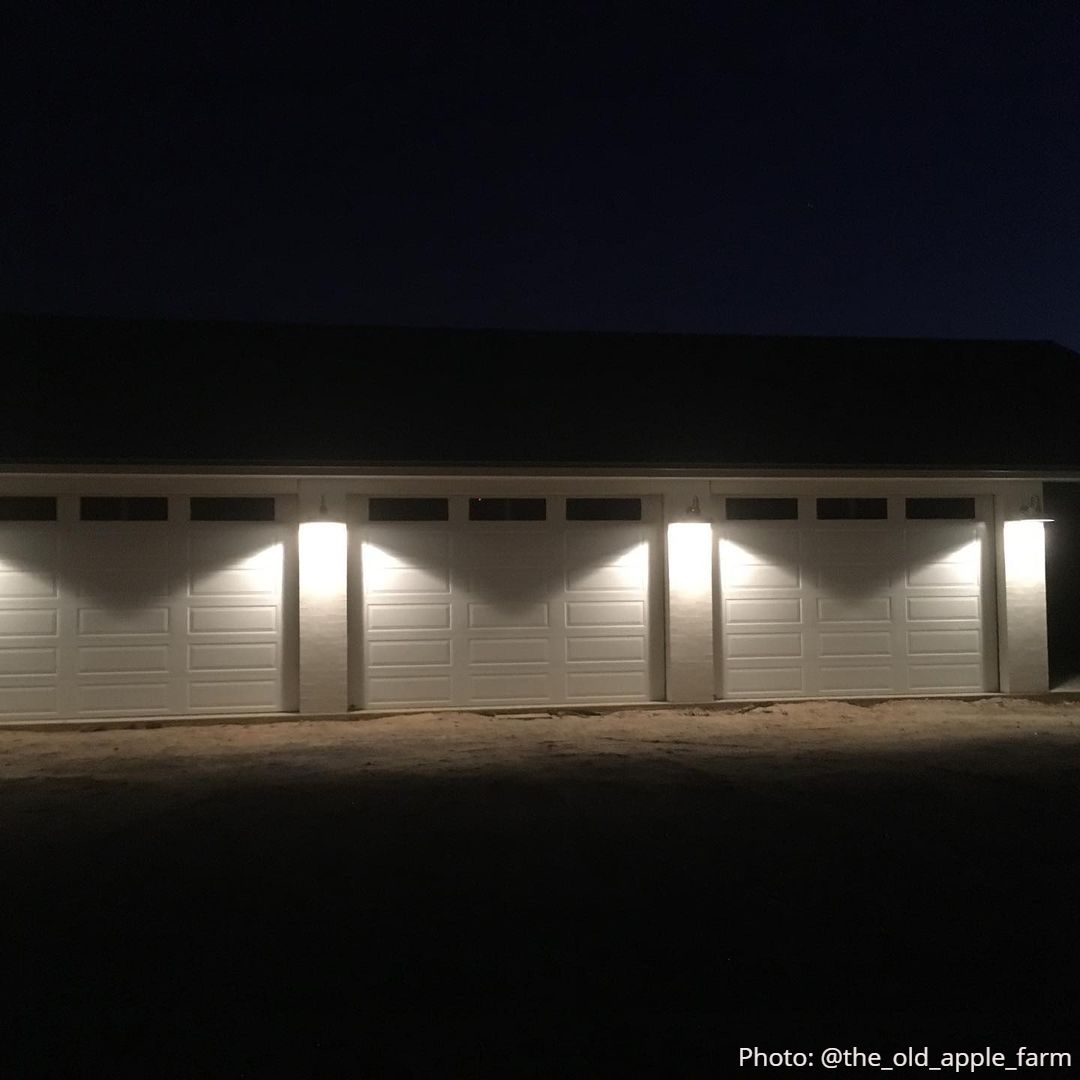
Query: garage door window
[852, 509]
[603, 509]
[232, 509]
[408, 510]
[27, 508]
[507, 509]
[762, 509]
[124, 508]
[940, 509]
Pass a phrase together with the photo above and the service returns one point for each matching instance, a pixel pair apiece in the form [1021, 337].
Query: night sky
[870, 168]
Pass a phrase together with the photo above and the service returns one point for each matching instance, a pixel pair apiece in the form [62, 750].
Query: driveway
[539, 895]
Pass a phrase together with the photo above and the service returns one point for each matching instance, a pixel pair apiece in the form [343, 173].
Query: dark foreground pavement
[541, 920]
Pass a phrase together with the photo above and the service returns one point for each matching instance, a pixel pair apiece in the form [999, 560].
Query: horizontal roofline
[531, 470]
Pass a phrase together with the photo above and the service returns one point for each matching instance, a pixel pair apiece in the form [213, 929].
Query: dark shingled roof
[96, 390]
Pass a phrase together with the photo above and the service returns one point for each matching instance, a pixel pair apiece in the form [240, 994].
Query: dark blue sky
[872, 168]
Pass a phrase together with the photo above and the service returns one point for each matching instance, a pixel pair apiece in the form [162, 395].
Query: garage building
[196, 587]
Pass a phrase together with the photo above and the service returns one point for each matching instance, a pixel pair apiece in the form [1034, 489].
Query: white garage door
[846, 608]
[141, 618]
[507, 613]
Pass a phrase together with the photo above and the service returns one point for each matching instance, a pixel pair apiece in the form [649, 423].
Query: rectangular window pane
[603, 509]
[507, 509]
[937, 509]
[762, 509]
[852, 509]
[408, 510]
[27, 508]
[232, 509]
[124, 508]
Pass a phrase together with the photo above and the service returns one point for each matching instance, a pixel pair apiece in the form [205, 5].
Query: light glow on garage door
[322, 558]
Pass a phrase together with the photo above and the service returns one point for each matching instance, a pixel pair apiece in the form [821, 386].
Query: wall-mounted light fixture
[323, 511]
[1032, 510]
[694, 509]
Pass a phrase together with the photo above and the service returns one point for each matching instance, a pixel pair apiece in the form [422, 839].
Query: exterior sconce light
[694, 509]
[1032, 510]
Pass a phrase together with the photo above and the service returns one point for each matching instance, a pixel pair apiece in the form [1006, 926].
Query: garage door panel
[28, 547]
[509, 650]
[582, 649]
[854, 609]
[124, 658]
[230, 657]
[606, 685]
[944, 573]
[603, 561]
[958, 678]
[28, 700]
[233, 695]
[507, 546]
[517, 687]
[408, 690]
[410, 653]
[943, 608]
[885, 605]
[500, 583]
[842, 544]
[761, 681]
[23, 585]
[28, 622]
[862, 679]
[761, 546]
[865, 643]
[408, 616]
[33, 661]
[124, 602]
[120, 698]
[761, 611]
[121, 546]
[247, 581]
[99, 621]
[120, 588]
[764, 646]
[239, 548]
[855, 580]
[239, 619]
[609, 613]
[944, 642]
[520, 598]
[512, 615]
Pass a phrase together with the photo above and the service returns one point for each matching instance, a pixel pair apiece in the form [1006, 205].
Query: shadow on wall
[1063, 583]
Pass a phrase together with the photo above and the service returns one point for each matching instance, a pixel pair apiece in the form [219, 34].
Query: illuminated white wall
[323, 611]
[690, 661]
[1022, 608]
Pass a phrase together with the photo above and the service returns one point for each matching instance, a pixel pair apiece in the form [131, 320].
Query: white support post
[323, 556]
[690, 649]
[1022, 592]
